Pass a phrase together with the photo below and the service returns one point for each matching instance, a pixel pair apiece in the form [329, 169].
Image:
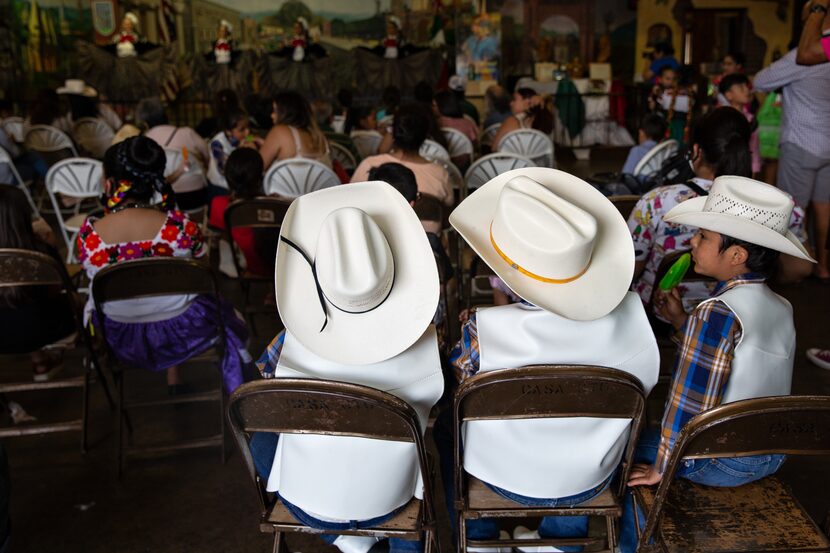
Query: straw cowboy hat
[554, 239]
[356, 280]
[745, 209]
[78, 87]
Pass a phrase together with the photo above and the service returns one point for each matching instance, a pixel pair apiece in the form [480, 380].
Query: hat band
[527, 273]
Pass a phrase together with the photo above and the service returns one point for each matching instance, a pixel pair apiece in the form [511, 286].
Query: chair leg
[222, 415]
[85, 412]
[121, 422]
[611, 523]
[279, 543]
[462, 534]
[96, 366]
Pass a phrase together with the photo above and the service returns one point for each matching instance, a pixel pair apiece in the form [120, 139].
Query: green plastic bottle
[676, 272]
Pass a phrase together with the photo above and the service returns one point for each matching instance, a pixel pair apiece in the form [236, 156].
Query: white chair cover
[433, 151]
[530, 143]
[294, 177]
[492, 165]
[655, 157]
[93, 136]
[76, 177]
[366, 142]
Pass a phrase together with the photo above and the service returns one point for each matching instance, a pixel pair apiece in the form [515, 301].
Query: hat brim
[691, 213]
[392, 327]
[608, 277]
[88, 91]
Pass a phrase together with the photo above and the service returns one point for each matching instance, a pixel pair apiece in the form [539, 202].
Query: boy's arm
[701, 371]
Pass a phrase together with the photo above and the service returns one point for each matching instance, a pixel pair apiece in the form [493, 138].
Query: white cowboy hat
[303, 21]
[77, 86]
[554, 239]
[132, 17]
[226, 24]
[356, 280]
[745, 209]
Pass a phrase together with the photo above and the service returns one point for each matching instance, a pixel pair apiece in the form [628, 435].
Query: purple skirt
[159, 345]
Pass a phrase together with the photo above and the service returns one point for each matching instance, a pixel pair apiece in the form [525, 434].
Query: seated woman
[451, 115]
[720, 146]
[190, 186]
[31, 317]
[409, 132]
[155, 333]
[529, 112]
[84, 104]
[294, 134]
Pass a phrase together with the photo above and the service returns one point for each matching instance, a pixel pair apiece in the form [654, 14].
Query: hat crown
[541, 232]
[752, 200]
[354, 262]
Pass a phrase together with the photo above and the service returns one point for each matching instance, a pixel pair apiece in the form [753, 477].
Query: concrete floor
[65, 501]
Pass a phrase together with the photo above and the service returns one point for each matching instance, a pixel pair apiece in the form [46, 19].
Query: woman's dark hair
[16, 232]
[45, 108]
[411, 127]
[229, 119]
[345, 98]
[738, 57]
[293, 110]
[259, 110]
[731, 80]
[542, 116]
[448, 104]
[399, 176]
[723, 138]
[759, 259]
[243, 171]
[423, 93]
[82, 106]
[498, 98]
[139, 161]
[224, 100]
[391, 98]
[355, 115]
[151, 113]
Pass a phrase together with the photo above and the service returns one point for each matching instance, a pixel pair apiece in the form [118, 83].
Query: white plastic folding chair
[6, 159]
[366, 142]
[291, 178]
[455, 177]
[529, 143]
[490, 133]
[93, 136]
[13, 126]
[79, 178]
[433, 151]
[655, 157]
[458, 144]
[52, 143]
[492, 165]
[344, 156]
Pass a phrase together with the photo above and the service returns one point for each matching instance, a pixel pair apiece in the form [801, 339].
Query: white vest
[347, 478]
[214, 176]
[763, 362]
[555, 458]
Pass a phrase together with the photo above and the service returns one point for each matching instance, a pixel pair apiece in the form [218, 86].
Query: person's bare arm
[509, 124]
[810, 51]
[385, 143]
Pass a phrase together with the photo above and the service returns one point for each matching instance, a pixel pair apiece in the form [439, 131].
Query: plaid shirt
[267, 362]
[702, 366]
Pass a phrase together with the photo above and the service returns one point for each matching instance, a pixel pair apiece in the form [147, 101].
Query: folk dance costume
[300, 64]
[224, 67]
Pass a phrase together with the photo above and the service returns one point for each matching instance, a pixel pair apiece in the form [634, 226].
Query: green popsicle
[676, 272]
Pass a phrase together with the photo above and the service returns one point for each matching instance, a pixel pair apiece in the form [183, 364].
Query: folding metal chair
[33, 269]
[13, 126]
[24, 186]
[79, 178]
[460, 148]
[529, 143]
[762, 516]
[433, 151]
[307, 406]
[492, 165]
[562, 391]
[93, 136]
[366, 142]
[654, 158]
[291, 178]
[143, 278]
[489, 134]
[344, 156]
[625, 203]
[52, 144]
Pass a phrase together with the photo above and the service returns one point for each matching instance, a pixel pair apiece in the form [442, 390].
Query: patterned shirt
[267, 362]
[703, 365]
[654, 238]
[806, 114]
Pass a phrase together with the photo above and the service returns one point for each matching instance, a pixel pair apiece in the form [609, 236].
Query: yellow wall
[762, 13]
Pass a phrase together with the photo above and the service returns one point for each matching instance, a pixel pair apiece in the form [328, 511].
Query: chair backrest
[263, 213]
[343, 155]
[366, 142]
[93, 136]
[490, 133]
[492, 165]
[13, 126]
[789, 425]
[625, 203]
[29, 268]
[433, 151]
[457, 143]
[78, 177]
[530, 143]
[6, 159]
[455, 177]
[549, 391]
[310, 406]
[294, 177]
[48, 139]
[655, 157]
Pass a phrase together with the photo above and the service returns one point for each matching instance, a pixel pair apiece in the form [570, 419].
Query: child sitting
[737, 91]
[652, 130]
[233, 134]
[740, 344]
[243, 172]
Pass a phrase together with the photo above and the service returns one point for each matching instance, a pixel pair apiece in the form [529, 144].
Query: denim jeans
[263, 446]
[722, 472]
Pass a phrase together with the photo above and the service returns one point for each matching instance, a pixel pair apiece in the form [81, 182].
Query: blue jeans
[263, 446]
[724, 472]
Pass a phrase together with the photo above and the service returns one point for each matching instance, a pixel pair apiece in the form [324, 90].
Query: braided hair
[136, 166]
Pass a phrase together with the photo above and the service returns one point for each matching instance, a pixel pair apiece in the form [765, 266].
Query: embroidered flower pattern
[178, 237]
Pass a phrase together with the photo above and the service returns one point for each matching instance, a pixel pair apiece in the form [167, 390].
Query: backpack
[675, 169]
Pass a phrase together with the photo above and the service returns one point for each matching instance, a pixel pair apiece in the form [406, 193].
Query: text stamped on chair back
[300, 406]
[550, 391]
[152, 277]
[256, 213]
[27, 268]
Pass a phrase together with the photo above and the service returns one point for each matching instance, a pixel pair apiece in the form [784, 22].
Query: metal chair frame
[6, 158]
[143, 278]
[522, 393]
[343, 155]
[310, 406]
